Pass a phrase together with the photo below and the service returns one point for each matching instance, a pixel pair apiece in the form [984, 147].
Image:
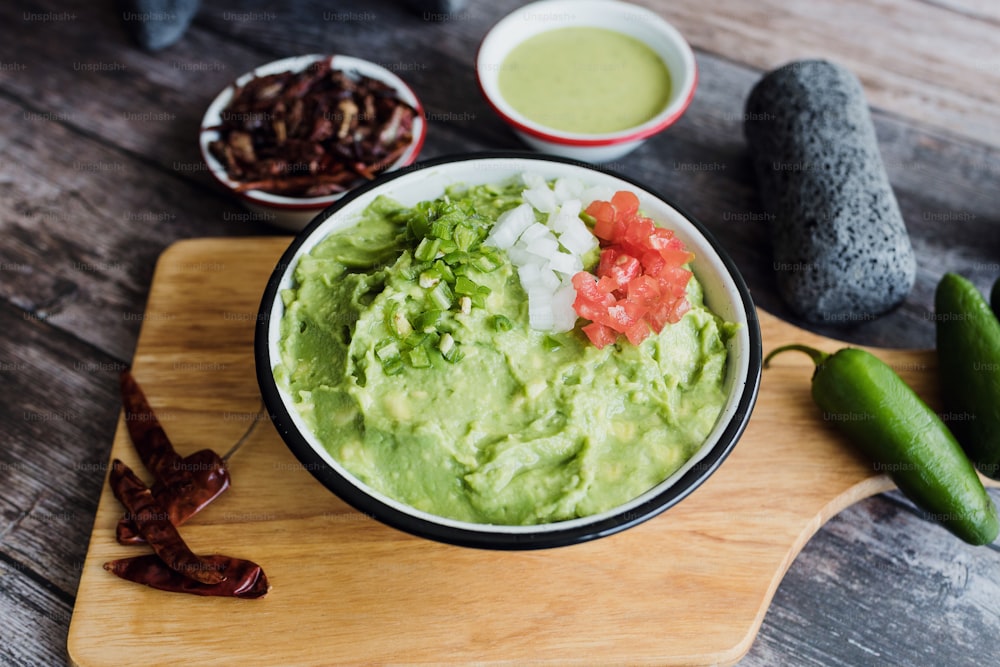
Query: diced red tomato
[604, 213]
[676, 257]
[653, 263]
[641, 282]
[587, 288]
[661, 237]
[607, 285]
[625, 202]
[608, 257]
[637, 235]
[645, 291]
[625, 269]
[600, 335]
[638, 332]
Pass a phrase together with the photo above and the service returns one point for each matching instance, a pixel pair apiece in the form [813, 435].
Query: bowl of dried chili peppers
[291, 137]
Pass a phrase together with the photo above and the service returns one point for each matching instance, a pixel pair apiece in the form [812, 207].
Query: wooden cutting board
[688, 587]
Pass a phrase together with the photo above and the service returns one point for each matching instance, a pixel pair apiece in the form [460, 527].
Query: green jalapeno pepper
[893, 427]
[968, 347]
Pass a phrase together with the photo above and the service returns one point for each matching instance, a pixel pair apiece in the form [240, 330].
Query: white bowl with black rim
[725, 293]
[294, 213]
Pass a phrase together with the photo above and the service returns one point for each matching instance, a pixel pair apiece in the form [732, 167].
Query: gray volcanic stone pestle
[841, 251]
[156, 24]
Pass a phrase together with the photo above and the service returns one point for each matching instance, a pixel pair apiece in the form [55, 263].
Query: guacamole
[523, 426]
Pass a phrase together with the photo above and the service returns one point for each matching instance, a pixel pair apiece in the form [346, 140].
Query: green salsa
[528, 426]
[585, 80]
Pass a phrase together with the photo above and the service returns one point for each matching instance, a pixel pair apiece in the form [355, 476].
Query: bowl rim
[617, 519]
[667, 117]
[351, 64]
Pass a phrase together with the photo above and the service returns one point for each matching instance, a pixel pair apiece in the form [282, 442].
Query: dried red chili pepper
[210, 478]
[311, 133]
[244, 579]
[183, 486]
[155, 527]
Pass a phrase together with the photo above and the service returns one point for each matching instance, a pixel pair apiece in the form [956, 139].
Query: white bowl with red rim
[637, 22]
[294, 213]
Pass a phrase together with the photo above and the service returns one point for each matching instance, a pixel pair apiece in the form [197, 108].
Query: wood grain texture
[689, 587]
[857, 593]
[919, 60]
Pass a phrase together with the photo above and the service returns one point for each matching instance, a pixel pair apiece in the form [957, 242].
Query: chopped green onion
[387, 350]
[449, 348]
[429, 319]
[486, 263]
[388, 355]
[442, 228]
[588, 219]
[419, 357]
[429, 278]
[427, 250]
[551, 344]
[401, 325]
[446, 273]
[502, 323]
[464, 237]
[465, 286]
[418, 338]
[441, 296]
[393, 366]
[418, 223]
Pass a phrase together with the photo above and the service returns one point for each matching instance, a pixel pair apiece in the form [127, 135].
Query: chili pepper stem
[258, 417]
[817, 356]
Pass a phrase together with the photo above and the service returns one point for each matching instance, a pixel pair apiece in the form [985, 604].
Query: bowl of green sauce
[586, 79]
[410, 352]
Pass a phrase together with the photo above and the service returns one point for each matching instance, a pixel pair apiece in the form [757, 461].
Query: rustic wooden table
[99, 172]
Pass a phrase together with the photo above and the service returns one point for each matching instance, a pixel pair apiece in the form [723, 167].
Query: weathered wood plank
[59, 406]
[83, 227]
[919, 60]
[34, 620]
[879, 586]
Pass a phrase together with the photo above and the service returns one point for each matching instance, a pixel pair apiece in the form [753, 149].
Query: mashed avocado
[522, 426]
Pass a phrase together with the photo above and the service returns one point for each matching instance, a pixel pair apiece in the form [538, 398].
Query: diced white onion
[567, 188]
[561, 221]
[544, 247]
[564, 263]
[519, 256]
[509, 226]
[537, 276]
[578, 240]
[533, 180]
[542, 199]
[548, 254]
[540, 314]
[593, 193]
[563, 315]
[535, 231]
